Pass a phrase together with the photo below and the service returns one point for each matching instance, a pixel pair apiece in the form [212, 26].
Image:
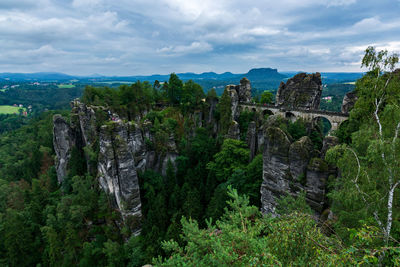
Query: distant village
[24, 112]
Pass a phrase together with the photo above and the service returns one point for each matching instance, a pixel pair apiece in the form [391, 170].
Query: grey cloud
[162, 36]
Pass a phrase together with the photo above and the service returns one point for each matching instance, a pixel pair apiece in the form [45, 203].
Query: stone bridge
[335, 118]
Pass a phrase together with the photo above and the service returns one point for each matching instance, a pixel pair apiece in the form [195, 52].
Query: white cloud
[86, 3]
[126, 36]
[193, 48]
[333, 3]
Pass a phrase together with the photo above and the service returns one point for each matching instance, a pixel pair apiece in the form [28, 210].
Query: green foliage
[267, 97]
[245, 117]
[128, 100]
[20, 151]
[225, 112]
[229, 242]
[76, 225]
[233, 155]
[243, 237]
[297, 129]
[174, 89]
[288, 205]
[212, 94]
[192, 96]
[249, 179]
[367, 193]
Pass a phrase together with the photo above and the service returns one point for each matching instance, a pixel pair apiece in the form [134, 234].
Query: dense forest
[205, 209]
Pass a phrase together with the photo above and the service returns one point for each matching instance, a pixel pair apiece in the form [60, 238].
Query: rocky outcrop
[234, 131]
[234, 101]
[244, 90]
[239, 93]
[121, 155]
[316, 177]
[348, 102]
[291, 167]
[251, 139]
[327, 143]
[64, 142]
[300, 153]
[275, 168]
[124, 149]
[302, 91]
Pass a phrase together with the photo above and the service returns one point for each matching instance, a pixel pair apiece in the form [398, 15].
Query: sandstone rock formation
[234, 131]
[122, 153]
[244, 90]
[239, 93]
[292, 167]
[234, 101]
[348, 102]
[252, 139]
[301, 91]
[120, 156]
[64, 141]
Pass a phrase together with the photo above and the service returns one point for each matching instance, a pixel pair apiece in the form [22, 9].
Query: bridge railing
[284, 109]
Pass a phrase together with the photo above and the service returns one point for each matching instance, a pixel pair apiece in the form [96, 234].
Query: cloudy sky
[132, 37]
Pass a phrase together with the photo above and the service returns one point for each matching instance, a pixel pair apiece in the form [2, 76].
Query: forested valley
[200, 203]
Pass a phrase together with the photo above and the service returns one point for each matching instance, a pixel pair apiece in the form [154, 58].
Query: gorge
[290, 166]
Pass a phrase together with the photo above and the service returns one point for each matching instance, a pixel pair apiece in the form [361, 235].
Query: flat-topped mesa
[302, 91]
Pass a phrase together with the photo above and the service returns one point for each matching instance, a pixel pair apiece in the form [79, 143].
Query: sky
[142, 37]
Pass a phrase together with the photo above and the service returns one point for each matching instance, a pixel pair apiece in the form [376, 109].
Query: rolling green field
[66, 86]
[9, 109]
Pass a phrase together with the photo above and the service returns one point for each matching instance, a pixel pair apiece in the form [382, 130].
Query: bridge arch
[267, 112]
[324, 122]
[290, 116]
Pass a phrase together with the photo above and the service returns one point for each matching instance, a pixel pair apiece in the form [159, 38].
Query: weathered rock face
[234, 101]
[234, 131]
[299, 155]
[64, 141]
[348, 101]
[290, 168]
[275, 168]
[327, 143]
[239, 93]
[251, 139]
[120, 156]
[122, 153]
[316, 177]
[244, 90]
[302, 91]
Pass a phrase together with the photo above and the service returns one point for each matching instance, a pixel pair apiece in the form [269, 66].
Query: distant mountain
[264, 74]
[261, 78]
[38, 76]
[333, 77]
[340, 77]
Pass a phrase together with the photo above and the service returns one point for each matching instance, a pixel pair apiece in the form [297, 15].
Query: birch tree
[370, 166]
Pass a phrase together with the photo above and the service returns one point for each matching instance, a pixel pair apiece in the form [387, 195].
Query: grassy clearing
[66, 86]
[9, 109]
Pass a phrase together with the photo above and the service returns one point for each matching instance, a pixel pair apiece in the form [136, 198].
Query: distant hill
[38, 76]
[333, 77]
[260, 78]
